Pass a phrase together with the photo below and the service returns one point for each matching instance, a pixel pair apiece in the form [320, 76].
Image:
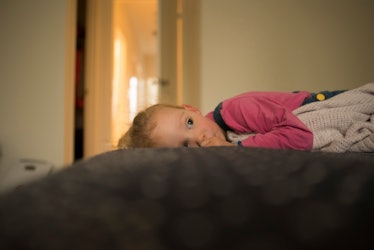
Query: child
[264, 118]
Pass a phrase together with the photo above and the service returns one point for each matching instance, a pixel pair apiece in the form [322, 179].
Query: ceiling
[142, 16]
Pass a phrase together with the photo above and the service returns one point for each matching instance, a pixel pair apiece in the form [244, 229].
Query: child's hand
[215, 142]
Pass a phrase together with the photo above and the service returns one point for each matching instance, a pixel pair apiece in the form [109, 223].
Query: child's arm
[275, 125]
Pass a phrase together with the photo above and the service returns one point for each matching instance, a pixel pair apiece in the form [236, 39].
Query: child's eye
[189, 123]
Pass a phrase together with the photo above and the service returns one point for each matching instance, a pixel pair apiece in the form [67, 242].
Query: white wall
[32, 79]
[284, 45]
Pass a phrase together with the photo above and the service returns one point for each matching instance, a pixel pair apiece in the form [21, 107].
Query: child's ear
[191, 108]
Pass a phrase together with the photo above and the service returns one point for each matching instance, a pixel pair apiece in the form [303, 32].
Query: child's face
[183, 128]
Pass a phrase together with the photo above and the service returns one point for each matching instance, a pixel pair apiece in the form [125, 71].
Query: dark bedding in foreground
[203, 198]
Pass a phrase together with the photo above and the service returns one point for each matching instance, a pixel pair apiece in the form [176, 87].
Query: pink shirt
[268, 115]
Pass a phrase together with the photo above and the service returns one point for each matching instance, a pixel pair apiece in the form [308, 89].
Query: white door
[98, 77]
[169, 42]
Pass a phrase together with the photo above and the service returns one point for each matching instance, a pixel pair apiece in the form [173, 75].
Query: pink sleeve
[274, 125]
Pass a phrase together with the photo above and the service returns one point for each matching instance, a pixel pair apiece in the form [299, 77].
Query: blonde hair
[139, 134]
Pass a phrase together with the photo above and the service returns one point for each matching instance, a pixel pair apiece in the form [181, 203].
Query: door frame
[71, 17]
[98, 77]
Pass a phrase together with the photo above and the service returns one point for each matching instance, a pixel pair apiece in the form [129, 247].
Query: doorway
[118, 68]
[79, 81]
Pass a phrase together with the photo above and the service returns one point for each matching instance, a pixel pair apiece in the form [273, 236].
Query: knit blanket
[342, 123]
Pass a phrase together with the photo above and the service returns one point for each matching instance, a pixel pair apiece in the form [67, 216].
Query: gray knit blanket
[343, 123]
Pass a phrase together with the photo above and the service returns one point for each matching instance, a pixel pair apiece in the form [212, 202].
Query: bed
[197, 198]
